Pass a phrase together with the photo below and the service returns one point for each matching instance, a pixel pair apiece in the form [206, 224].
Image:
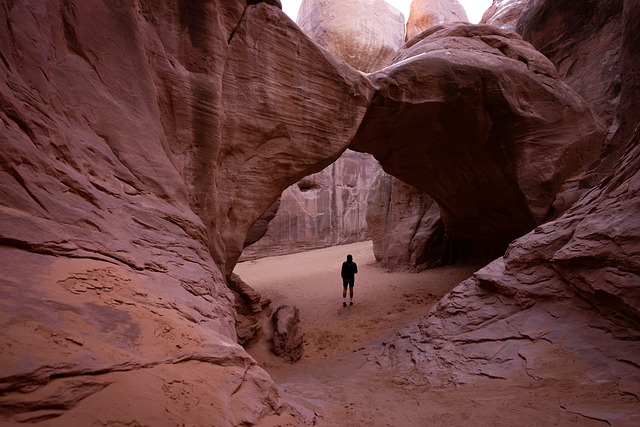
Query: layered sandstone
[364, 33]
[324, 209]
[562, 305]
[139, 144]
[478, 119]
[424, 14]
[406, 228]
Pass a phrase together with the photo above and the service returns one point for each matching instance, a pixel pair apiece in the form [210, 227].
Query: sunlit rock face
[563, 302]
[504, 14]
[364, 33]
[477, 118]
[424, 14]
[139, 142]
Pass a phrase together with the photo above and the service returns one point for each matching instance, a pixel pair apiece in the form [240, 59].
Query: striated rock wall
[424, 14]
[323, 209]
[406, 228]
[568, 291]
[140, 140]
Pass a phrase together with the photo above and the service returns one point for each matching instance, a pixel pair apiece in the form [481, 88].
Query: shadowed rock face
[570, 288]
[425, 14]
[364, 33]
[477, 118]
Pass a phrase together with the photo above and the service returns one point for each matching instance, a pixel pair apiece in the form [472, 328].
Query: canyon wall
[140, 141]
[563, 303]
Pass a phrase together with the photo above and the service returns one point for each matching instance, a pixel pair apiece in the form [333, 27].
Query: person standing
[348, 273]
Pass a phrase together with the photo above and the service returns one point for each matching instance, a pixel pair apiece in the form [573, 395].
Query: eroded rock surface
[364, 33]
[287, 337]
[139, 144]
[406, 228]
[323, 209]
[424, 14]
[563, 304]
[476, 117]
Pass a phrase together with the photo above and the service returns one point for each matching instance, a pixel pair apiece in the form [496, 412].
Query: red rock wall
[140, 141]
[569, 290]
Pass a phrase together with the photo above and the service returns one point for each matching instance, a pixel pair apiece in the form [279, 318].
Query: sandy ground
[334, 385]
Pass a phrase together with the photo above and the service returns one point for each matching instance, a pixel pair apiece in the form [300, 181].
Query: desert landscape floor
[337, 384]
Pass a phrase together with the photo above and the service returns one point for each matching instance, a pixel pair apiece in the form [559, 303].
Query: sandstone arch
[138, 147]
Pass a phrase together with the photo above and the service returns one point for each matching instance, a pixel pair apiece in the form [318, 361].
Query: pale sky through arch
[474, 8]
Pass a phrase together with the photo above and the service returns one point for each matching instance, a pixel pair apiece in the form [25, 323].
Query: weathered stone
[568, 291]
[324, 209]
[139, 144]
[251, 307]
[364, 33]
[583, 42]
[287, 337]
[504, 14]
[406, 228]
[424, 14]
[477, 118]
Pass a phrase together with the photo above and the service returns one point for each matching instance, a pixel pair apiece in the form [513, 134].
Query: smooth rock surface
[424, 14]
[364, 33]
[476, 117]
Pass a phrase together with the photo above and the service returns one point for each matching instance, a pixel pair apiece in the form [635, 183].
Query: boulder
[504, 14]
[424, 14]
[364, 33]
[287, 337]
[478, 119]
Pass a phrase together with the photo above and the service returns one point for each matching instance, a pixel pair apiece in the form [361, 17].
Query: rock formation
[424, 14]
[287, 337]
[504, 14]
[139, 144]
[448, 119]
[406, 228]
[568, 291]
[364, 33]
[323, 209]
[141, 140]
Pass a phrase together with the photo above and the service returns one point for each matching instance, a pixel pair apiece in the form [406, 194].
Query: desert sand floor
[334, 384]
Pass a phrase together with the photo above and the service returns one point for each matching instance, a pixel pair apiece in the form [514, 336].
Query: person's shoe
[351, 303]
[344, 304]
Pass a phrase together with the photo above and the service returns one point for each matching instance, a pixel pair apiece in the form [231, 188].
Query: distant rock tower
[364, 33]
[427, 13]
